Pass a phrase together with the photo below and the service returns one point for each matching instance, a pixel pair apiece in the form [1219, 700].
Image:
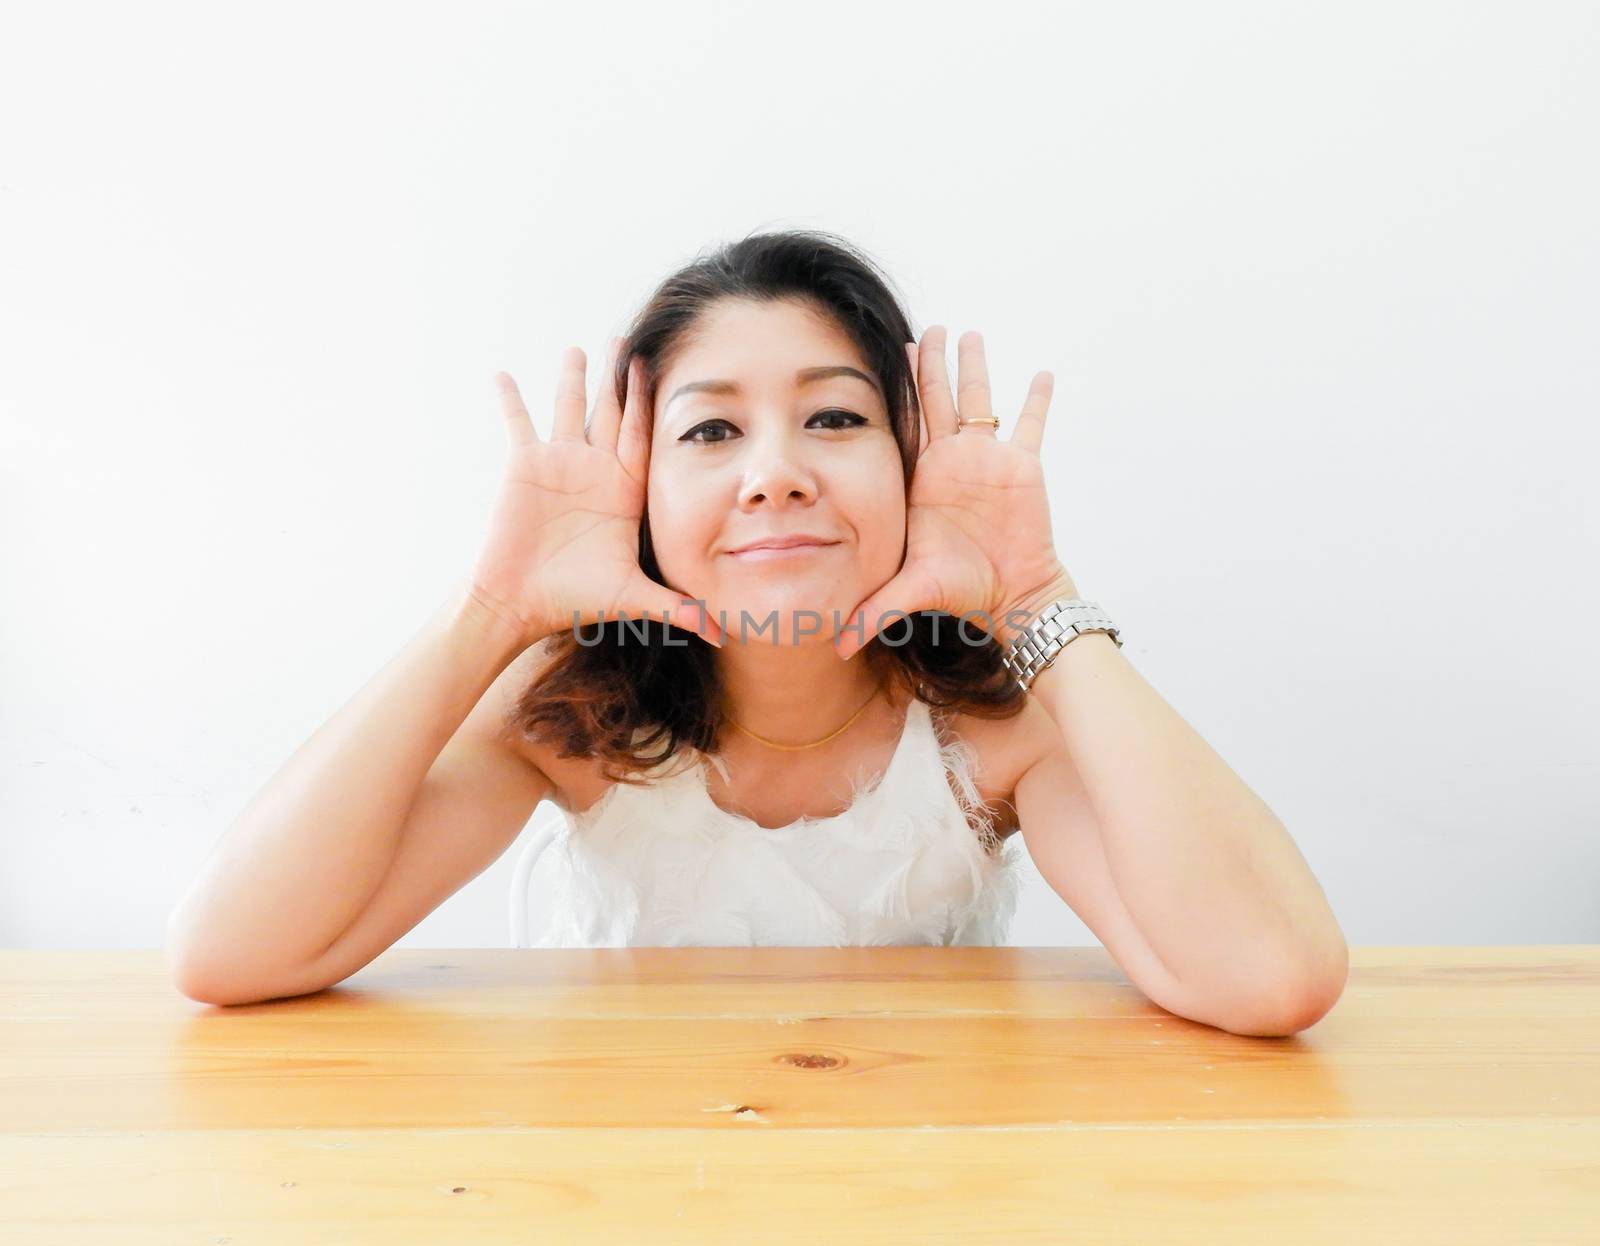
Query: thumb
[645, 598]
[907, 593]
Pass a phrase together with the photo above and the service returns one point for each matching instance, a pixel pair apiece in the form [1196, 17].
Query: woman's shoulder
[1003, 750]
[568, 776]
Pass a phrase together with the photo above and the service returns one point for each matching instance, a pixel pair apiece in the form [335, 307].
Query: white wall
[1318, 283]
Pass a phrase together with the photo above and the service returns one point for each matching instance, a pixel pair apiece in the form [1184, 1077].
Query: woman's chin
[788, 612]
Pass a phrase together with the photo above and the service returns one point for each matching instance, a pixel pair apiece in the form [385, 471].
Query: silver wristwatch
[1052, 630]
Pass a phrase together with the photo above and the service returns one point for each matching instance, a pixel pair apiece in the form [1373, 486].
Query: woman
[820, 744]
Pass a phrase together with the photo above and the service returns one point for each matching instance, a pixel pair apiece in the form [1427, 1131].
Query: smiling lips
[782, 547]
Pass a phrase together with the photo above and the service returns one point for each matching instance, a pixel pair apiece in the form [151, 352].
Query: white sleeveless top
[665, 865]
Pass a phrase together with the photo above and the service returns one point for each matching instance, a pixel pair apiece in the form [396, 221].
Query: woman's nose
[776, 473]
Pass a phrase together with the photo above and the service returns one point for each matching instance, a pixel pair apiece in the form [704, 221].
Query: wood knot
[802, 1060]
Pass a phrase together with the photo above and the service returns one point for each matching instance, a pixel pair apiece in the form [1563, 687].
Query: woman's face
[770, 452]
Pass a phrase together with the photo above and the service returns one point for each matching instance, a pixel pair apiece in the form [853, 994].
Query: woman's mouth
[768, 553]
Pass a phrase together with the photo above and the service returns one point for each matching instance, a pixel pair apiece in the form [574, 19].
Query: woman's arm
[307, 854]
[1206, 870]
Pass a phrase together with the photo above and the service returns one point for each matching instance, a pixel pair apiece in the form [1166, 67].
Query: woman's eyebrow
[803, 376]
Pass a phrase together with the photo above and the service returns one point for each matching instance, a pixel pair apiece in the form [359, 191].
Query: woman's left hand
[978, 539]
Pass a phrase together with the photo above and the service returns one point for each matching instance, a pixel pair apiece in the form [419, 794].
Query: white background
[1318, 284]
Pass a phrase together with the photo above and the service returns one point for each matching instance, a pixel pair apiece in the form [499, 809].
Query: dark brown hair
[625, 676]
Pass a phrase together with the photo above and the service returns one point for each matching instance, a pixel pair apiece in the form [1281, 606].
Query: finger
[633, 438]
[1029, 432]
[972, 384]
[519, 426]
[571, 396]
[649, 600]
[922, 416]
[906, 594]
[933, 383]
[606, 417]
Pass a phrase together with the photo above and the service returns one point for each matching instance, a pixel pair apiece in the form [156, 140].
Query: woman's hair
[593, 697]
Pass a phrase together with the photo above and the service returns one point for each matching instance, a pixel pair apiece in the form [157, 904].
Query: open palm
[978, 535]
[563, 542]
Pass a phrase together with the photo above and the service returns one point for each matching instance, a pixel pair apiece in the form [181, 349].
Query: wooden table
[892, 1094]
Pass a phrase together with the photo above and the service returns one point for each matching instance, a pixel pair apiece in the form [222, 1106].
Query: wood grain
[796, 1094]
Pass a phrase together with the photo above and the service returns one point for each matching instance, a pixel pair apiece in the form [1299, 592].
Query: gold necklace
[796, 747]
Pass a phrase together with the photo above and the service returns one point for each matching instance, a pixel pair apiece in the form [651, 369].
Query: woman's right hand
[563, 542]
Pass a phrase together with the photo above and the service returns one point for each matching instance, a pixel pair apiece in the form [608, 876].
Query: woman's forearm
[304, 857]
[1209, 873]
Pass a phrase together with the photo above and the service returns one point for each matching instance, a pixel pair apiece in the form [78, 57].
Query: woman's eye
[833, 414]
[709, 424]
[849, 415]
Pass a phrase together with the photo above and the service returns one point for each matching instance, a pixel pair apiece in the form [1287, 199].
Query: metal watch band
[1051, 631]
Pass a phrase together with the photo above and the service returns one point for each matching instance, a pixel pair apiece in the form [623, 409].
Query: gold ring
[993, 421]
